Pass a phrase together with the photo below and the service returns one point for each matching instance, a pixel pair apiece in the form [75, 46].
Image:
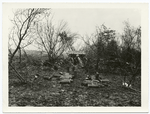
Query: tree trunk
[19, 55]
[18, 75]
[13, 54]
[98, 55]
[27, 56]
[124, 79]
[132, 79]
[97, 64]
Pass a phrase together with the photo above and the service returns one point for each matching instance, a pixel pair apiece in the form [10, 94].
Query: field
[51, 93]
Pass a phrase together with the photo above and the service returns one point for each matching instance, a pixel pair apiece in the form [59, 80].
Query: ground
[51, 93]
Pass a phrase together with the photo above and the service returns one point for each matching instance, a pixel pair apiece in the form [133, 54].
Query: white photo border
[145, 51]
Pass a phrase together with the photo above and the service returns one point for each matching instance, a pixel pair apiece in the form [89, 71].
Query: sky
[84, 21]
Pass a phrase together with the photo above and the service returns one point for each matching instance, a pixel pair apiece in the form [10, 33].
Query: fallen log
[86, 82]
[66, 81]
[47, 77]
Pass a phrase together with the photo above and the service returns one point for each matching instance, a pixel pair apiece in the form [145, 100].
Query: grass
[52, 93]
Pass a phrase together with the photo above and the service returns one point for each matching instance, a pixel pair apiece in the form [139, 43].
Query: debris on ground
[67, 90]
[66, 78]
[64, 81]
[95, 81]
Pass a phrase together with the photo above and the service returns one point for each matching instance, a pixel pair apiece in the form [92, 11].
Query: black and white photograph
[74, 56]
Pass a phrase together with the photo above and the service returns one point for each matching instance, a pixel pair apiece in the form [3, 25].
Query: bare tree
[54, 40]
[23, 31]
[131, 50]
[98, 42]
